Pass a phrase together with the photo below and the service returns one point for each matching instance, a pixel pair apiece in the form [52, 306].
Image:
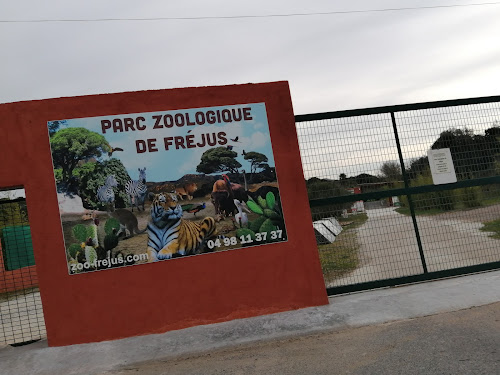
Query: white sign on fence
[442, 169]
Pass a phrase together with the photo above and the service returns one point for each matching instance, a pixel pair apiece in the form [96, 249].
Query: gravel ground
[389, 246]
[476, 215]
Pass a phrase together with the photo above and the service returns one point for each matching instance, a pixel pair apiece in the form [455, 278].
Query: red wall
[159, 297]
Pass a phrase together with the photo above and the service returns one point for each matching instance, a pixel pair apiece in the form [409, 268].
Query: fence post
[410, 200]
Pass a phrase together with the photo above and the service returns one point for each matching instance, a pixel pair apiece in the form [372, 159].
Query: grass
[491, 201]
[341, 257]
[461, 202]
[492, 226]
[406, 211]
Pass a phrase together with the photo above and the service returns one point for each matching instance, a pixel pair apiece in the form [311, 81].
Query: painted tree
[217, 160]
[70, 145]
[55, 125]
[93, 174]
[257, 161]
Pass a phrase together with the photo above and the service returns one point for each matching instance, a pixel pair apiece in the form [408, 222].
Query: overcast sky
[360, 55]
[333, 62]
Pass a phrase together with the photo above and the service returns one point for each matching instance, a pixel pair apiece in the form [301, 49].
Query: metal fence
[21, 314]
[381, 217]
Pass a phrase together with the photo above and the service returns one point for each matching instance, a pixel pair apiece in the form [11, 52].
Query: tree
[218, 159]
[391, 170]
[319, 188]
[418, 166]
[473, 155]
[257, 161]
[13, 210]
[71, 145]
[365, 178]
[494, 131]
[342, 176]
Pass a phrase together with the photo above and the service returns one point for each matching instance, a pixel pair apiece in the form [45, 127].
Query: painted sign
[442, 169]
[146, 187]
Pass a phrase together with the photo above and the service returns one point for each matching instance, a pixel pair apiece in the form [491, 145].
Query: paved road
[389, 246]
[461, 342]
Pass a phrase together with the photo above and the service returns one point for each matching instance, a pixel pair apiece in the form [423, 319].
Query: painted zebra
[137, 190]
[105, 193]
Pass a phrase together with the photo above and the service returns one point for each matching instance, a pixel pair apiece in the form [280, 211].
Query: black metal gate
[369, 171]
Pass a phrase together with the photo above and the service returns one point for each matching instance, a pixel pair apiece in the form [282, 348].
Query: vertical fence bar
[410, 200]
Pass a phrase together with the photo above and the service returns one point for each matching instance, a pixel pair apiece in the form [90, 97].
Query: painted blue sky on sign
[172, 164]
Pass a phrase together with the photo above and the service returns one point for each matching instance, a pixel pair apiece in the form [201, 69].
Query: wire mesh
[471, 132]
[21, 314]
[460, 228]
[378, 239]
[349, 147]
[347, 156]
[453, 223]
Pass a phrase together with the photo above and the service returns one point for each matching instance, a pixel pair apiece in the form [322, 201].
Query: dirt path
[476, 215]
[389, 246]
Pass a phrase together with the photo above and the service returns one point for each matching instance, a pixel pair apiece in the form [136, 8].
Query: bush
[441, 200]
[317, 189]
[444, 200]
[470, 197]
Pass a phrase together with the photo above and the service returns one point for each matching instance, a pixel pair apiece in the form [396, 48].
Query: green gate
[369, 170]
[17, 247]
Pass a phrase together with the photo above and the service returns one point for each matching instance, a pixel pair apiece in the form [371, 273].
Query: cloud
[346, 61]
[259, 140]
[331, 62]
[189, 164]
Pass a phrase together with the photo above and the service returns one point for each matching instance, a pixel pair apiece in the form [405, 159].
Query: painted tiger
[169, 233]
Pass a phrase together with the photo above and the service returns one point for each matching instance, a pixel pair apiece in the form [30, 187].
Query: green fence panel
[17, 247]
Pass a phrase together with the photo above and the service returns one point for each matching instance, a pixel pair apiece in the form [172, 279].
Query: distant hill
[360, 179]
[205, 182]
